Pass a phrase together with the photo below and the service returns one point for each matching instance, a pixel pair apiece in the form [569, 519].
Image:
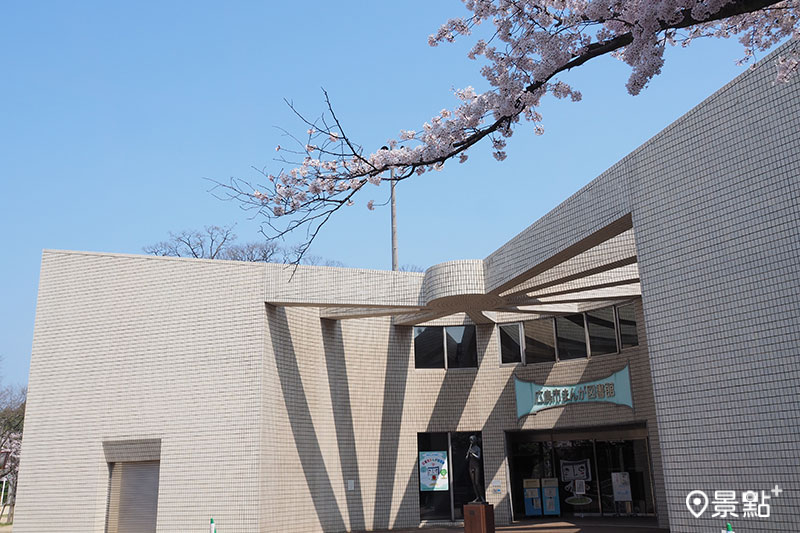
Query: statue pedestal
[478, 518]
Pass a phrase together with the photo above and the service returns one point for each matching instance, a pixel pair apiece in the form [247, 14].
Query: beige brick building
[167, 391]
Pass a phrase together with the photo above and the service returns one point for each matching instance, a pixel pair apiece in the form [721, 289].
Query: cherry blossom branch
[542, 39]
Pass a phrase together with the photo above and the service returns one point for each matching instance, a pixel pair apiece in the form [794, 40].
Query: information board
[621, 481]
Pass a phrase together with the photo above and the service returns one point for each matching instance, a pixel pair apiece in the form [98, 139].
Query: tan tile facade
[136, 348]
[262, 413]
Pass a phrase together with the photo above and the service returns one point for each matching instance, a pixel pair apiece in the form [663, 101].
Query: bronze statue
[475, 467]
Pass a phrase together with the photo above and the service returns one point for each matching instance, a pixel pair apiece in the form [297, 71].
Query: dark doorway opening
[443, 498]
[599, 472]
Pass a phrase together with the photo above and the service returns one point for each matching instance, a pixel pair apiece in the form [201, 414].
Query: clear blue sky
[113, 113]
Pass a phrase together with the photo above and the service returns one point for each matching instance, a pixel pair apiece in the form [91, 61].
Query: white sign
[433, 474]
[571, 470]
[621, 482]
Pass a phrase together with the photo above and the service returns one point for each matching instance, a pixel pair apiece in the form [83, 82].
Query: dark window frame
[446, 366]
[615, 322]
[457, 473]
[632, 305]
[522, 343]
[474, 340]
[414, 344]
[587, 338]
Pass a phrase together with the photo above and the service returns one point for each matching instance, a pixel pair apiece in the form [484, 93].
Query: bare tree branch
[543, 40]
[219, 242]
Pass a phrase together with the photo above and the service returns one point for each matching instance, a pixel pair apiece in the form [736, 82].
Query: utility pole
[395, 262]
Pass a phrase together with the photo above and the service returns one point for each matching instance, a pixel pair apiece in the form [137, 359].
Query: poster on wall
[621, 481]
[571, 470]
[433, 474]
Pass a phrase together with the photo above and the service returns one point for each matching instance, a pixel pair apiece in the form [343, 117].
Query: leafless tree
[210, 243]
[308, 259]
[255, 252]
[219, 242]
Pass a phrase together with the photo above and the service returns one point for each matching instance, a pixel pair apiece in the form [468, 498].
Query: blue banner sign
[532, 397]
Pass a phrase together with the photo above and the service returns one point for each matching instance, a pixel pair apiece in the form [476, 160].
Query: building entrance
[597, 472]
[445, 485]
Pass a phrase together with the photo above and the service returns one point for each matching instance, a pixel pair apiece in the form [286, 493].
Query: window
[510, 344]
[461, 349]
[428, 348]
[627, 326]
[527, 342]
[602, 333]
[540, 346]
[571, 336]
[445, 347]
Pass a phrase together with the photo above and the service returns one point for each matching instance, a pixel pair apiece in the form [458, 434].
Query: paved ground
[584, 525]
[549, 526]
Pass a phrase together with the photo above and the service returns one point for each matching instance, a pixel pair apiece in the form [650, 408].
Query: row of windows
[602, 331]
[598, 332]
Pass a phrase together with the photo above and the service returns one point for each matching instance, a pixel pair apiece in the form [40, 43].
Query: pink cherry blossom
[535, 44]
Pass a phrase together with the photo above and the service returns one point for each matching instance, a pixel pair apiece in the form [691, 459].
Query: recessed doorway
[602, 472]
[445, 485]
[132, 497]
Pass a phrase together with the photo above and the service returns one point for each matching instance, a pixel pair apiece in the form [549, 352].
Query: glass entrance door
[434, 481]
[527, 460]
[445, 484]
[602, 475]
[624, 472]
[577, 478]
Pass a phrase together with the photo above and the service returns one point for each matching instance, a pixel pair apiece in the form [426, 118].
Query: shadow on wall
[339, 385]
[305, 436]
[453, 393]
[449, 409]
[457, 386]
[398, 353]
[410, 494]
